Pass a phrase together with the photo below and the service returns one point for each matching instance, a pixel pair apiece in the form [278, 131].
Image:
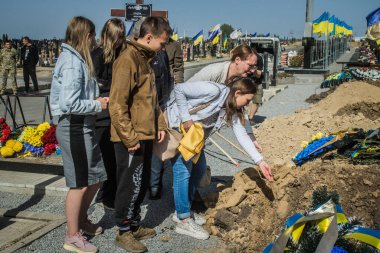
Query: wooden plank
[117, 13]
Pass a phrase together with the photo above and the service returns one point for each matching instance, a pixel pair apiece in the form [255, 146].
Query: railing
[328, 51]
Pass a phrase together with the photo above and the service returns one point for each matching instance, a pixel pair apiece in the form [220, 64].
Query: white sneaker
[199, 219]
[190, 228]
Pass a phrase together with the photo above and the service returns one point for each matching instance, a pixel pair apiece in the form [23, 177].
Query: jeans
[133, 174]
[186, 178]
[157, 172]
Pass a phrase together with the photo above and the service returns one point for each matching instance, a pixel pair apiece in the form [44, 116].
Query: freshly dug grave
[250, 212]
[369, 110]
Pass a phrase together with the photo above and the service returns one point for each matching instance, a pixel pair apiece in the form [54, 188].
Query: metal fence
[328, 51]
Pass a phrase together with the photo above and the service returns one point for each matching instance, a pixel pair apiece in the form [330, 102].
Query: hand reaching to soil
[267, 172]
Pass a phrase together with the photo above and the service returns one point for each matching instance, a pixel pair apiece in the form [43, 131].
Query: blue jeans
[186, 178]
[157, 172]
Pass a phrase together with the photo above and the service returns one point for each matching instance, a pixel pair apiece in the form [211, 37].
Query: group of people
[114, 101]
[8, 65]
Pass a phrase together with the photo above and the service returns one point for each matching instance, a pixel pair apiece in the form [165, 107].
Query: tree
[226, 29]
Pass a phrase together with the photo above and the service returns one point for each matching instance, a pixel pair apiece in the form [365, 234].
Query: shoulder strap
[203, 106]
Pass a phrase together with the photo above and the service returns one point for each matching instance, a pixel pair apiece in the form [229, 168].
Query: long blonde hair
[113, 31]
[77, 33]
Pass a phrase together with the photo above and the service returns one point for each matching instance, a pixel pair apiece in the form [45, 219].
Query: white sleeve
[244, 140]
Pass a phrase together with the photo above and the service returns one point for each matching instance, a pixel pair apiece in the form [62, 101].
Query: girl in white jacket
[224, 105]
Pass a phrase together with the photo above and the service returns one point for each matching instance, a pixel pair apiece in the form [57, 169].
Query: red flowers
[49, 149]
[5, 131]
[49, 136]
[49, 140]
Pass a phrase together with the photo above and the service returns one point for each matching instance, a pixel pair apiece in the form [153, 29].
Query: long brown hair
[77, 33]
[245, 86]
[113, 31]
[242, 51]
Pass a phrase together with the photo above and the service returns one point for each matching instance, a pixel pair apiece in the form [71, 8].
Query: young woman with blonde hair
[112, 42]
[75, 102]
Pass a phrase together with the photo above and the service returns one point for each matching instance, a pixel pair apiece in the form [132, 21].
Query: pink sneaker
[89, 228]
[78, 243]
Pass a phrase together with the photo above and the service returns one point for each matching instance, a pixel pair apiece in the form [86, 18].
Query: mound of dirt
[318, 97]
[250, 212]
[281, 136]
[369, 110]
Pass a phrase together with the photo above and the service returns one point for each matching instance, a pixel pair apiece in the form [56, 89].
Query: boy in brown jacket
[136, 121]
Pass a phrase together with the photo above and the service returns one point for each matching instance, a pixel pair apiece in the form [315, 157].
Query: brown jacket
[133, 100]
[174, 51]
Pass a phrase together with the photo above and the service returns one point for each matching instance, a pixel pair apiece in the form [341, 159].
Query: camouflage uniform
[8, 60]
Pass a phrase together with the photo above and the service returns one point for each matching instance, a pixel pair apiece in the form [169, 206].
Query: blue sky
[40, 19]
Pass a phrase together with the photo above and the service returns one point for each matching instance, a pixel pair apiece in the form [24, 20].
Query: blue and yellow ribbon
[366, 235]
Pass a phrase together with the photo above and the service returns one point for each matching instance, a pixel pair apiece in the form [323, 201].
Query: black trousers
[107, 192]
[133, 177]
[29, 70]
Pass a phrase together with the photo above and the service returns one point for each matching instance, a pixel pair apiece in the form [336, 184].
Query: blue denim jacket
[72, 90]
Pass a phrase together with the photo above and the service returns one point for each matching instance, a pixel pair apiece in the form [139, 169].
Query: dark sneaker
[78, 243]
[91, 229]
[142, 233]
[128, 242]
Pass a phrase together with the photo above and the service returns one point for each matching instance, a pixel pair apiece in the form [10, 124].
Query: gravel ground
[157, 214]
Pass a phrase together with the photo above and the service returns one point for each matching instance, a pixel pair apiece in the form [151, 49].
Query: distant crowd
[48, 49]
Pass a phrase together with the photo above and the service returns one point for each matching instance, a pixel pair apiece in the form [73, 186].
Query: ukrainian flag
[320, 25]
[213, 34]
[373, 26]
[225, 40]
[198, 38]
[175, 35]
[331, 26]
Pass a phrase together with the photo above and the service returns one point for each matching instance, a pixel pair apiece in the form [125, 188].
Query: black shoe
[155, 194]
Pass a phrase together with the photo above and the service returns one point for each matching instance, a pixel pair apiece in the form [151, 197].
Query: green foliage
[226, 29]
[321, 196]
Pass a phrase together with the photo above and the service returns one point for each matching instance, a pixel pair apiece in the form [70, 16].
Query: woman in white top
[225, 105]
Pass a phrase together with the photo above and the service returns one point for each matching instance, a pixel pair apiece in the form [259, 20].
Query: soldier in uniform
[8, 60]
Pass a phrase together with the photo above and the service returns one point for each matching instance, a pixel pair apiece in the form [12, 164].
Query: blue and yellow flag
[320, 25]
[225, 40]
[198, 38]
[215, 40]
[331, 26]
[175, 34]
[213, 33]
[373, 26]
